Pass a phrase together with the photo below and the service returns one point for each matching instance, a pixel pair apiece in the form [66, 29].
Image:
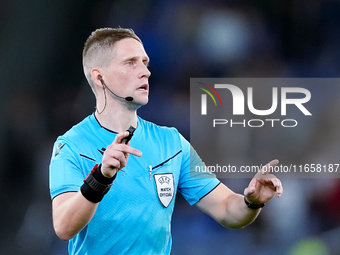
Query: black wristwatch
[252, 206]
[97, 186]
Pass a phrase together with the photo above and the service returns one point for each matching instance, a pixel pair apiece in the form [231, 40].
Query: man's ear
[96, 75]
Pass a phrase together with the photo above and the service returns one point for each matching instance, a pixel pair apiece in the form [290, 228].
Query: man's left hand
[264, 185]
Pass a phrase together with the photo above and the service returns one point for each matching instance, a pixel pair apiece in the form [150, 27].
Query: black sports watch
[252, 206]
[97, 186]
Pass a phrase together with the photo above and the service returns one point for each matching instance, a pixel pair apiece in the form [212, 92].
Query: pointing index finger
[266, 169]
[123, 145]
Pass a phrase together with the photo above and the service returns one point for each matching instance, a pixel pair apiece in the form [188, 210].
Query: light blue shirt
[134, 216]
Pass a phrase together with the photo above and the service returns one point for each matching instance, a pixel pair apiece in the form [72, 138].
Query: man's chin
[139, 102]
[144, 101]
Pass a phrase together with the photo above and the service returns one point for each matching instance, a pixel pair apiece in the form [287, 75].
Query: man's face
[128, 74]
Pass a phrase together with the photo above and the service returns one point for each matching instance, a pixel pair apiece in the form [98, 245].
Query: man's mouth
[143, 87]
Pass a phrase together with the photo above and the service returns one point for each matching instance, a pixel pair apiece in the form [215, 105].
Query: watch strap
[96, 185]
[252, 206]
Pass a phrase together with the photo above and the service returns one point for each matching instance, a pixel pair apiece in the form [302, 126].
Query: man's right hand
[116, 155]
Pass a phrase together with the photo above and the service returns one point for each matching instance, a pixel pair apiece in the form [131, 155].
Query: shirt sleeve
[192, 185]
[65, 172]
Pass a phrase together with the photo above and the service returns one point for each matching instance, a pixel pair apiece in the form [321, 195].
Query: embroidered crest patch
[165, 188]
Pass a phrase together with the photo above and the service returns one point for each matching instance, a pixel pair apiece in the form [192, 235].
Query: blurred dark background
[43, 93]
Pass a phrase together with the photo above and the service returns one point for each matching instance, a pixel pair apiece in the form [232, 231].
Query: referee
[114, 196]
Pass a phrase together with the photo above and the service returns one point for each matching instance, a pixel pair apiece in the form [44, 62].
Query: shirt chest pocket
[144, 170]
[170, 165]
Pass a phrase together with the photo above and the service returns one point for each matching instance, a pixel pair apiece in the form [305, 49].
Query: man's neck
[117, 120]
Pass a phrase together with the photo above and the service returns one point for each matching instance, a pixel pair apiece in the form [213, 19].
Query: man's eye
[129, 63]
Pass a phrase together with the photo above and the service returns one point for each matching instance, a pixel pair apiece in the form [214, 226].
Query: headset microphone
[129, 99]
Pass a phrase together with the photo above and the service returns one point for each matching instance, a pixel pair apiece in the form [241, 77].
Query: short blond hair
[98, 49]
